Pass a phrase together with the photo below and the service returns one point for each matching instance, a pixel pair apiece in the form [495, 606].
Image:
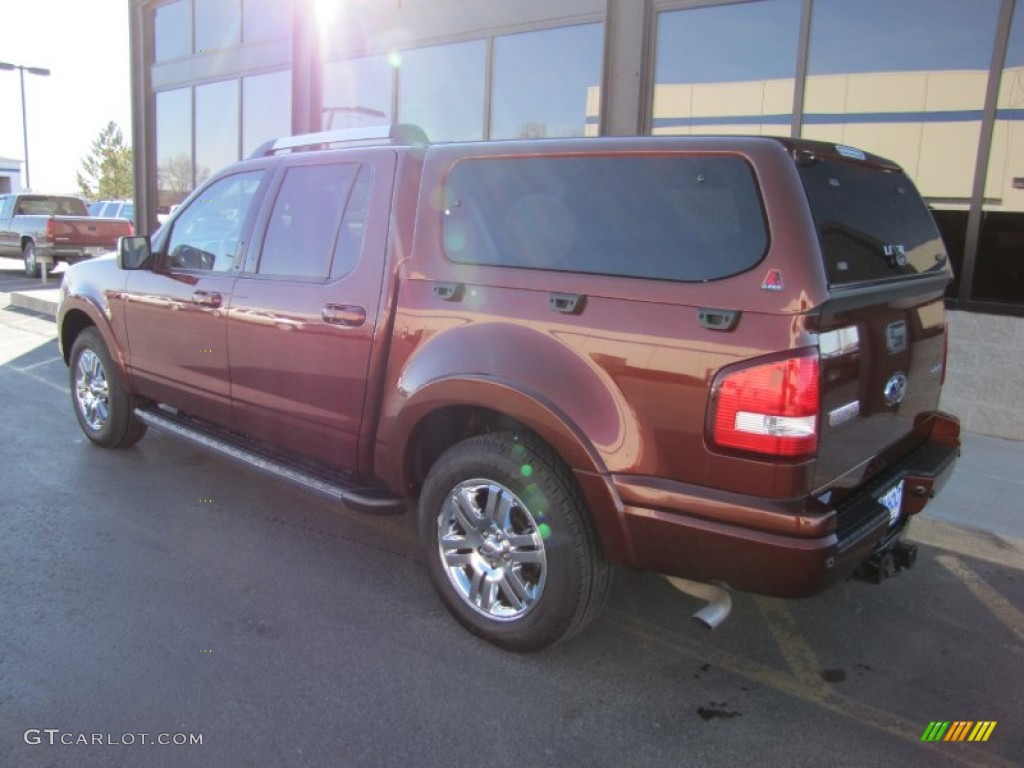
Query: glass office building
[937, 85]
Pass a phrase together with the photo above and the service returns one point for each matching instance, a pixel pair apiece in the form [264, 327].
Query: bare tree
[532, 131]
[175, 180]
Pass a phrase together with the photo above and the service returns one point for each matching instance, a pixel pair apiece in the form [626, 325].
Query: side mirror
[133, 253]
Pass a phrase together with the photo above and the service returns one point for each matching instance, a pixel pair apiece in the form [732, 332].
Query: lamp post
[24, 115]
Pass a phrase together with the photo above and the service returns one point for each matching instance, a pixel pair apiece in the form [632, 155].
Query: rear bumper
[71, 255]
[771, 547]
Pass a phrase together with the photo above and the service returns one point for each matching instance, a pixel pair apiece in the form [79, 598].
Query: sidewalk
[985, 497]
[980, 512]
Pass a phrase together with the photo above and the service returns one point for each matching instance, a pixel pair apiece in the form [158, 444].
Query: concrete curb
[44, 300]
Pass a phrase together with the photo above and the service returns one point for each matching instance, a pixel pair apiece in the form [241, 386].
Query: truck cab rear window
[872, 223]
[48, 205]
[668, 217]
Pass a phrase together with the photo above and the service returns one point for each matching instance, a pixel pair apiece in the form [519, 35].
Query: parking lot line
[799, 655]
[47, 361]
[1000, 607]
[62, 389]
[852, 709]
[711, 654]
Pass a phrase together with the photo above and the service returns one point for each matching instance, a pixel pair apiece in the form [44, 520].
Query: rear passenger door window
[315, 228]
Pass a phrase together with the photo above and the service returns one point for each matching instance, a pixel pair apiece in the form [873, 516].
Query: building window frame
[488, 38]
[962, 299]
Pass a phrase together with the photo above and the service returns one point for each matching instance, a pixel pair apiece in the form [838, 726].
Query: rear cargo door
[882, 332]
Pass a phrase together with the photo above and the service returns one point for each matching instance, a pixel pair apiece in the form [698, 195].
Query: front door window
[206, 234]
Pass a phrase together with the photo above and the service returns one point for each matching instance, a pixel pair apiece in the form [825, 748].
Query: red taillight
[131, 229]
[51, 229]
[770, 408]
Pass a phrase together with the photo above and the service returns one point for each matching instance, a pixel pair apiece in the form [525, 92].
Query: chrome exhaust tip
[719, 602]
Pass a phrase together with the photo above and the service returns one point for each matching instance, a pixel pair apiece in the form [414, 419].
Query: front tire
[105, 410]
[508, 542]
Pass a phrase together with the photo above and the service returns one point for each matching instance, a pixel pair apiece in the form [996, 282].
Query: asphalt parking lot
[159, 591]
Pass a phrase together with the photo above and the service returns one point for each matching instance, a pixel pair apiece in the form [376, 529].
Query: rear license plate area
[892, 500]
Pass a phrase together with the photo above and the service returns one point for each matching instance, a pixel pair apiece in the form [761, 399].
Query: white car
[113, 209]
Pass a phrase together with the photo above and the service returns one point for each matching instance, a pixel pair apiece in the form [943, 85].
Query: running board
[332, 485]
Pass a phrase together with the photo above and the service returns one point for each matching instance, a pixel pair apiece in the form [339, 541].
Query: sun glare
[326, 12]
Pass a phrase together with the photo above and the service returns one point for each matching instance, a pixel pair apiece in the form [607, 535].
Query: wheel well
[442, 429]
[74, 323]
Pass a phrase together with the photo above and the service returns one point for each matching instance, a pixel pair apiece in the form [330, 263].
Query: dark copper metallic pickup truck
[714, 358]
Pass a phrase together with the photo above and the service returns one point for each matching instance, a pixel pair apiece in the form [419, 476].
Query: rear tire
[33, 267]
[509, 544]
[104, 408]
[28, 255]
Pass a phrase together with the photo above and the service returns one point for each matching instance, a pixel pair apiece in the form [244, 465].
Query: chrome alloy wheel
[492, 549]
[31, 263]
[92, 391]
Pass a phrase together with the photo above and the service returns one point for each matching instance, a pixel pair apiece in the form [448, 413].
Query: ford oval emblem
[895, 389]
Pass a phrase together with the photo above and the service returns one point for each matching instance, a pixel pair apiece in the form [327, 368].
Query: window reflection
[907, 81]
[545, 83]
[999, 274]
[727, 69]
[218, 25]
[174, 146]
[216, 127]
[266, 108]
[266, 20]
[172, 30]
[357, 92]
[909, 35]
[904, 80]
[441, 89]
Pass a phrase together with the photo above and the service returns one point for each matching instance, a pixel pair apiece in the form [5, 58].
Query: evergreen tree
[106, 172]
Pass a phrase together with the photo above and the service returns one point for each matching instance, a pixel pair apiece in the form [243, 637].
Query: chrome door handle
[343, 315]
[206, 298]
[567, 303]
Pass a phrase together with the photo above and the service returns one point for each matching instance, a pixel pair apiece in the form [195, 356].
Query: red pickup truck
[48, 229]
[718, 359]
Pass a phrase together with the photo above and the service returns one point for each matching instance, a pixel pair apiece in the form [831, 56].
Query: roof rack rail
[398, 133]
